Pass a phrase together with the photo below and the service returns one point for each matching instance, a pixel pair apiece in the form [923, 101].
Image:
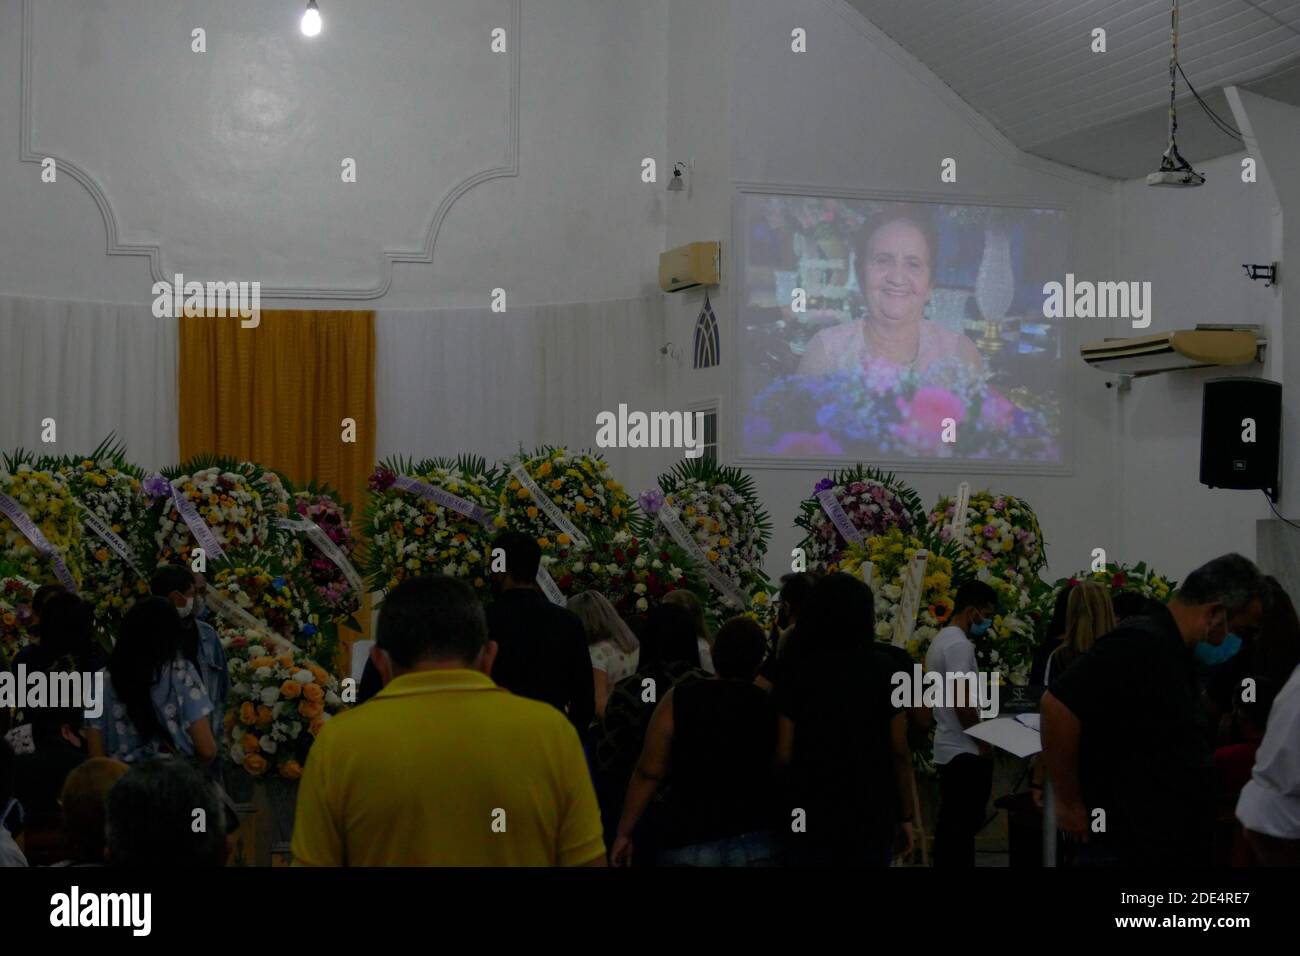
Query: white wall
[1190, 244]
[229, 160]
[857, 112]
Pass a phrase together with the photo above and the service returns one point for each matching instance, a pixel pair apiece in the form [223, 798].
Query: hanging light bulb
[311, 21]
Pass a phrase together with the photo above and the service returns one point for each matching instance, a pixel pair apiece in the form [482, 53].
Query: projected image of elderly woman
[895, 269]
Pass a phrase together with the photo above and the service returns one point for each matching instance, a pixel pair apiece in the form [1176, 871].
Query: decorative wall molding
[153, 252]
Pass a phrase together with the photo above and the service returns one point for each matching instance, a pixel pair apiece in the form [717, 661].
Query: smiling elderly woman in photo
[895, 267]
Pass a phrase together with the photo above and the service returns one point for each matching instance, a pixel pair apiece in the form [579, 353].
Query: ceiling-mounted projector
[1174, 170]
[1171, 175]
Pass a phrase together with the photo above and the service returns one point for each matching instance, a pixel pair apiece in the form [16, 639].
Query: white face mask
[185, 609]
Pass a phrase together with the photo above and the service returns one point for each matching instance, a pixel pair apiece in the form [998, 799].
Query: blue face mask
[1210, 656]
[980, 629]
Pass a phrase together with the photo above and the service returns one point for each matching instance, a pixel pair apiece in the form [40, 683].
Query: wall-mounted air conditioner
[695, 264]
[1202, 347]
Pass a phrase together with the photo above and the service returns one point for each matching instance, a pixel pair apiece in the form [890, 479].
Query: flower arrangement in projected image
[1137, 578]
[1002, 533]
[322, 506]
[278, 704]
[578, 483]
[824, 218]
[47, 500]
[874, 502]
[409, 535]
[283, 600]
[239, 501]
[632, 573]
[891, 555]
[898, 413]
[16, 594]
[107, 486]
[720, 508]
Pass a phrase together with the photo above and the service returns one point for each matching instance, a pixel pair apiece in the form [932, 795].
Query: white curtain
[93, 368]
[468, 380]
[447, 381]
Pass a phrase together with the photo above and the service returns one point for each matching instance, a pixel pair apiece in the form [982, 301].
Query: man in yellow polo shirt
[442, 767]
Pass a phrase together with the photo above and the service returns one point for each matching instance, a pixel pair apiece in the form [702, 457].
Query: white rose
[332, 699]
[262, 673]
[578, 566]
[639, 589]
[256, 650]
[270, 695]
[642, 604]
[304, 676]
[237, 754]
[267, 744]
[639, 562]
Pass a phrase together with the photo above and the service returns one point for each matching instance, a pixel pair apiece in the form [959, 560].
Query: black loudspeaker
[1241, 434]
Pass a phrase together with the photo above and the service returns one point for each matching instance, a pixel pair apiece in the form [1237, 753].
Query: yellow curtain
[278, 395]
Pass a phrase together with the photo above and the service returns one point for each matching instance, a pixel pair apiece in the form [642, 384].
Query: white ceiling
[1028, 67]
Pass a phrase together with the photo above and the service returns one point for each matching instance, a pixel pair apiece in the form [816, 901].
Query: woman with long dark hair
[154, 701]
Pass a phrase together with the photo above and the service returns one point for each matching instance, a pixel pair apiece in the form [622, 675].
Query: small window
[708, 349]
[710, 433]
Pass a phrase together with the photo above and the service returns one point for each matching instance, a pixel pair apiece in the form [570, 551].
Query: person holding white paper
[965, 764]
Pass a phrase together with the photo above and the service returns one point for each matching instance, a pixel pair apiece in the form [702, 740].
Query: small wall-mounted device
[1262, 272]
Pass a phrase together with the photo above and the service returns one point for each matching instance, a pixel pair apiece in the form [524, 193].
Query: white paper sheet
[1009, 734]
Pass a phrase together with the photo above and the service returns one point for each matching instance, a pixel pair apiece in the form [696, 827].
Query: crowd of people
[528, 733]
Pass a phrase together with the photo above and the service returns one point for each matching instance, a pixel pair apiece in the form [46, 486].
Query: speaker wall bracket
[1255, 271]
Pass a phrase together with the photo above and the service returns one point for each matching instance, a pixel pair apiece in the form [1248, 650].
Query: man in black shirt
[1126, 739]
[542, 648]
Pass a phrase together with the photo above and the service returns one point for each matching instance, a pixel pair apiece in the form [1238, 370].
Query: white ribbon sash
[549, 587]
[327, 547]
[557, 517]
[835, 511]
[203, 534]
[441, 496]
[959, 510]
[724, 585]
[909, 604]
[102, 529]
[230, 610]
[14, 512]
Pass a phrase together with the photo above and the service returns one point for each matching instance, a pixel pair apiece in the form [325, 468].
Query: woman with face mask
[199, 643]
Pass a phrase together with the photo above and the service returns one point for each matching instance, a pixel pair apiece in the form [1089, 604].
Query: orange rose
[310, 708]
[313, 692]
[291, 770]
[255, 764]
[229, 720]
[286, 660]
[247, 713]
[264, 716]
[319, 673]
[249, 743]
[316, 724]
[261, 662]
[290, 689]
